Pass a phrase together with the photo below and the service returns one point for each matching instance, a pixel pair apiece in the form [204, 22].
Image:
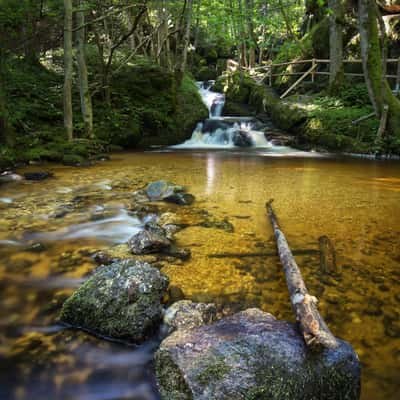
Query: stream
[49, 231]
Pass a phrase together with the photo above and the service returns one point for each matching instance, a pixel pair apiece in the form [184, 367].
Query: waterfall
[223, 132]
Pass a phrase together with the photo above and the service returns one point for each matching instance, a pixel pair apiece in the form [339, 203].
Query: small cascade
[213, 100]
[224, 132]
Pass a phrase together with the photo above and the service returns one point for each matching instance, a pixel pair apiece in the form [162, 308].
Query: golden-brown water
[355, 203]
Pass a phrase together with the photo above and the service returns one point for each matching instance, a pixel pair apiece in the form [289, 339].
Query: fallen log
[315, 332]
[300, 252]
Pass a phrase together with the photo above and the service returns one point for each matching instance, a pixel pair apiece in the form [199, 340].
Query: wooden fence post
[270, 73]
[313, 73]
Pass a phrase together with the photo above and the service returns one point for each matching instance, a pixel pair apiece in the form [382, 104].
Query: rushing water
[219, 132]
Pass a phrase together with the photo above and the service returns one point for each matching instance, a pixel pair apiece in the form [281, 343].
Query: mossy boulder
[121, 301]
[250, 356]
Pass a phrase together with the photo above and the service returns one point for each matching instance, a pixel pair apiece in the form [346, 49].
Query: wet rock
[139, 196]
[182, 199]
[182, 254]
[62, 211]
[211, 125]
[185, 314]
[160, 190]
[8, 176]
[224, 224]
[38, 175]
[170, 230]
[122, 301]
[242, 139]
[152, 239]
[36, 248]
[103, 258]
[251, 355]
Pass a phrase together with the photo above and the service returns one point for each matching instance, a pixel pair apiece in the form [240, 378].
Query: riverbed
[46, 247]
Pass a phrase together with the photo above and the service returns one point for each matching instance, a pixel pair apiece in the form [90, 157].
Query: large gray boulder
[121, 300]
[249, 356]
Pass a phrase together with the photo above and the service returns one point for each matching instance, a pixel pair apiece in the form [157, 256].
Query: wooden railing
[264, 72]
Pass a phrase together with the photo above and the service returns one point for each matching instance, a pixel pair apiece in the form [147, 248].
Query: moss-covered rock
[250, 356]
[121, 300]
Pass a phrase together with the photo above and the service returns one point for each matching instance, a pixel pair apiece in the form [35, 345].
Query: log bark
[315, 332]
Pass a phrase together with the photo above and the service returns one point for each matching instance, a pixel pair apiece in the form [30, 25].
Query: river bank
[316, 120]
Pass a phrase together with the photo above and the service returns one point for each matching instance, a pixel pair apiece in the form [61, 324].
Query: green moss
[215, 371]
[172, 384]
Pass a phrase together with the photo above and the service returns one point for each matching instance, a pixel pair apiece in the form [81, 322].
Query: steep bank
[147, 107]
[316, 120]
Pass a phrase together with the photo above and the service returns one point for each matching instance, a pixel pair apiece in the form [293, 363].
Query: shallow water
[354, 202]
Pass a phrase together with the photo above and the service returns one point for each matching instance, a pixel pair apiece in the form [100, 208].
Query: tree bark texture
[336, 26]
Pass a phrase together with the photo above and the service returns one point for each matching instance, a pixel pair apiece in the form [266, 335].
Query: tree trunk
[186, 36]
[371, 54]
[5, 130]
[314, 329]
[68, 67]
[251, 34]
[336, 25]
[86, 100]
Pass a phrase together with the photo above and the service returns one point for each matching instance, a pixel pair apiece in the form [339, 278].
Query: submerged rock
[159, 190]
[169, 192]
[251, 355]
[38, 175]
[182, 199]
[122, 301]
[9, 176]
[185, 314]
[152, 239]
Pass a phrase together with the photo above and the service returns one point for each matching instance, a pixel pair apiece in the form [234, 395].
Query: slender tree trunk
[5, 130]
[251, 34]
[167, 51]
[336, 25]
[129, 18]
[243, 47]
[371, 53]
[186, 36]
[86, 99]
[68, 67]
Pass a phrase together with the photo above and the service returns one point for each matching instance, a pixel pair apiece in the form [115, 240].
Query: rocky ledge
[251, 355]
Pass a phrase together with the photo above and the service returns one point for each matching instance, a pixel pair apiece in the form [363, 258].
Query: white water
[117, 229]
[225, 132]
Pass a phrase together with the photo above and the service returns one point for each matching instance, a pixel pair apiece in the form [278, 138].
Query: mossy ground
[147, 107]
[316, 119]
